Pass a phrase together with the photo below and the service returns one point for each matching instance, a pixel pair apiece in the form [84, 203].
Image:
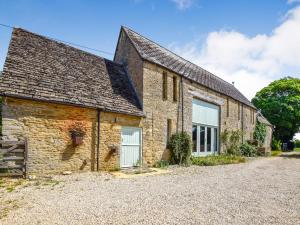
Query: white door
[131, 146]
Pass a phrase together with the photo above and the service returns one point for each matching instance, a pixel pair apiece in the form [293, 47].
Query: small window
[239, 111]
[169, 129]
[253, 116]
[175, 89]
[227, 107]
[165, 86]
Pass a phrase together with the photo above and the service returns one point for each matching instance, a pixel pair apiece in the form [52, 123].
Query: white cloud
[251, 62]
[183, 4]
[292, 1]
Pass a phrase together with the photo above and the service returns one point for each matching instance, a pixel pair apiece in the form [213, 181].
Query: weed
[162, 164]
[8, 206]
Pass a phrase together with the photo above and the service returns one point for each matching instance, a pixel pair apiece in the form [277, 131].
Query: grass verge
[296, 149]
[10, 184]
[217, 160]
[276, 153]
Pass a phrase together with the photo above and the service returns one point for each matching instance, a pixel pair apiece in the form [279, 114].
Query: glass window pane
[208, 139]
[202, 139]
[216, 139]
[194, 134]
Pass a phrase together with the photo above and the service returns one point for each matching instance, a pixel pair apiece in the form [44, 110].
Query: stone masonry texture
[158, 111]
[47, 127]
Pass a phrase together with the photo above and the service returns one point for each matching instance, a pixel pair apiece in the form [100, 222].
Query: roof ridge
[62, 43]
[124, 27]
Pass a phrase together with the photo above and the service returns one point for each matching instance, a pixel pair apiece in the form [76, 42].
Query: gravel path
[263, 191]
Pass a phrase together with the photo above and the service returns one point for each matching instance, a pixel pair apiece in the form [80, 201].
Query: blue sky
[96, 23]
[250, 42]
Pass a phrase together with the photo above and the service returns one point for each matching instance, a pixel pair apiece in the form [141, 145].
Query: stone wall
[110, 128]
[268, 139]
[127, 55]
[158, 111]
[50, 148]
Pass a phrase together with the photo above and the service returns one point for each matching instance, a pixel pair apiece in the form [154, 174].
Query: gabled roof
[262, 119]
[152, 52]
[39, 68]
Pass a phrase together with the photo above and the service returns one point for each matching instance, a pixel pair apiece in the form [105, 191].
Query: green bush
[232, 141]
[260, 133]
[248, 150]
[276, 145]
[217, 160]
[297, 143]
[180, 145]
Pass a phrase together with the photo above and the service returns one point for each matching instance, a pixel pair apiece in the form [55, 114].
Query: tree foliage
[280, 104]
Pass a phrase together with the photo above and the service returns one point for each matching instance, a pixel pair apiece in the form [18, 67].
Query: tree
[280, 104]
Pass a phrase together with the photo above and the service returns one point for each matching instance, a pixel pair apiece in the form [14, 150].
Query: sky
[249, 42]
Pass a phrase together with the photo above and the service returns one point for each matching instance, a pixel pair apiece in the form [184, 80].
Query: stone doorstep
[137, 172]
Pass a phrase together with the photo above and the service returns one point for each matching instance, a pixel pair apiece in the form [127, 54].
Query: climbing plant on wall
[260, 133]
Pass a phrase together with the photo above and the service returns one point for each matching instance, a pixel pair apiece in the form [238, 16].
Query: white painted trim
[206, 153]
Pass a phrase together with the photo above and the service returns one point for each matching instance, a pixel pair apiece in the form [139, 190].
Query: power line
[67, 42]
[4, 25]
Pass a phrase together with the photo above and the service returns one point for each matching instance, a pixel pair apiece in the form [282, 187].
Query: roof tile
[39, 68]
[155, 53]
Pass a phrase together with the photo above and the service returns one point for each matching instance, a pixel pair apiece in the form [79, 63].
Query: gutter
[193, 81]
[72, 104]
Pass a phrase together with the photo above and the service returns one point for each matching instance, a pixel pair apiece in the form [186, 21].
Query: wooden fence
[13, 157]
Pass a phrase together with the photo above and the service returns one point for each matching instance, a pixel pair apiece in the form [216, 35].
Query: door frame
[205, 153]
[141, 146]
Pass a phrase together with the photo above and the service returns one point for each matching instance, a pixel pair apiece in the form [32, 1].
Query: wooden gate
[13, 157]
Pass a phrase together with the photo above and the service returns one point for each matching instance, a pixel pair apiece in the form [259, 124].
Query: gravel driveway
[263, 191]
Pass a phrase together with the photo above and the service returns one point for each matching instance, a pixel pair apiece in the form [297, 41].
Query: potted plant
[77, 132]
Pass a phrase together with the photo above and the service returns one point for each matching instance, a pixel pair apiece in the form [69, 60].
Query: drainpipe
[181, 81]
[98, 138]
[242, 123]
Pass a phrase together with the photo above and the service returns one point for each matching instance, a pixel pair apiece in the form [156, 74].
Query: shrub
[232, 140]
[260, 133]
[217, 160]
[248, 150]
[180, 145]
[297, 143]
[276, 144]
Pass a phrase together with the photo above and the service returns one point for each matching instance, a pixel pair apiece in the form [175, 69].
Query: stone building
[125, 109]
[269, 132]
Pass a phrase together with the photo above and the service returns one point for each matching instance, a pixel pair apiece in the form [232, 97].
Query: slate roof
[152, 52]
[39, 68]
[262, 119]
